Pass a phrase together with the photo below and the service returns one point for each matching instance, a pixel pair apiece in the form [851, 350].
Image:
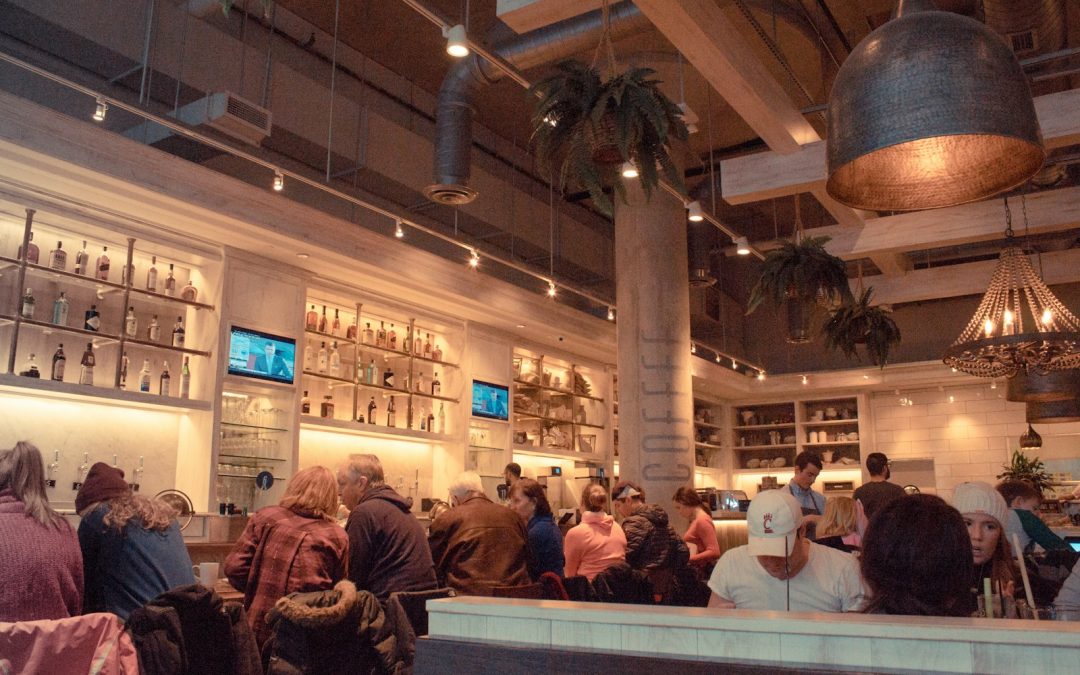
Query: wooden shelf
[829, 423]
[779, 446]
[708, 425]
[252, 427]
[535, 451]
[376, 430]
[752, 427]
[817, 445]
[710, 446]
[246, 460]
[521, 384]
[167, 348]
[524, 415]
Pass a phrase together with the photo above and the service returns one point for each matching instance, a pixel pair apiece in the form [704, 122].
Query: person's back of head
[367, 466]
[1011, 490]
[877, 463]
[313, 490]
[467, 483]
[688, 496]
[594, 498]
[513, 469]
[839, 518]
[22, 470]
[632, 492]
[917, 560]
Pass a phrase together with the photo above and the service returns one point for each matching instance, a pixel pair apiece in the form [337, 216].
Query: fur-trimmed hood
[319, 609]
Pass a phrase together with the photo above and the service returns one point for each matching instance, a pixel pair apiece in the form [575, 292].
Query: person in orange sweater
[701, 532]
[597, 542]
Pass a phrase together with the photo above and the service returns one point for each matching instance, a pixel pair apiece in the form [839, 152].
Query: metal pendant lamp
[932, 109]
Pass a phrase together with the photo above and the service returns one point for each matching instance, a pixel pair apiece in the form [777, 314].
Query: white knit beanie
[980, 497]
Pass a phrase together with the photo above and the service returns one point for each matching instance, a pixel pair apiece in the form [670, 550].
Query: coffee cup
[206, 573]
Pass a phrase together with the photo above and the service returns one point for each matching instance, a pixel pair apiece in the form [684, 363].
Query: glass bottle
[431, 420]
[30, 368]
[388, 377]
[436, 386]
[144, 376]
[336, 327]
[178, 332]
[418, 344]
[305, 404]
[322, 357]
[423, 419]
[59, 361]
[58, 257]
[82, 260]
[131, 324]
[372, 372]
[406, 344]
[60, 310]
[309, 357]
[101, 267]
[92, 320]
[311, 319]
[127, 272]
[322, 320]
[350, 332]
[189, 293]
[170, 282]
[391, 338]
[153, 331]
[442, 418]
[335, 360]
[420, 382]
[165, 380]
[185, 379]
[123, 370]
[151, 275]
[86, 373]
[427, 347]
[380, 337]
[372, 410]
[368, 336]
[84, 468]
[33, 254]
[327, 407]
[436, 354]
[390, 420]
[26, 309]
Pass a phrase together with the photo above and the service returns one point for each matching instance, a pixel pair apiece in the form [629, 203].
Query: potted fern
[1029, 470]
[856, 322]
[800, 275]
[584, 128]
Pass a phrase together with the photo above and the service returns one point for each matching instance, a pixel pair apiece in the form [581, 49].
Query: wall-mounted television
[260, 355]
[490, 400]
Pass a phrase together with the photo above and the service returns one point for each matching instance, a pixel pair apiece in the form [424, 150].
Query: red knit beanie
[102, 484]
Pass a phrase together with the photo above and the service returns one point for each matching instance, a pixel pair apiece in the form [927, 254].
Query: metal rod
[333, 84]
[708, 217]
[146, 50]
[27, 228]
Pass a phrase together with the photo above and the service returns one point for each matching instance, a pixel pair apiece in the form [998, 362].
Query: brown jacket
[477, 545]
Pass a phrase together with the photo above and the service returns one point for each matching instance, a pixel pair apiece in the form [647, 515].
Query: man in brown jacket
[478, 544]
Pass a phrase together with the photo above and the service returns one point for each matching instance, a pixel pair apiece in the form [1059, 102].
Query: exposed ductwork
[453, 127]
[1030, 27]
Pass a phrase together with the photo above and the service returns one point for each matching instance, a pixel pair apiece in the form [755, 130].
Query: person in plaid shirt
[294, 547]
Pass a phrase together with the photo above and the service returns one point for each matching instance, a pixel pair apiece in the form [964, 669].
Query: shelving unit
[764, 436]
[767, 436]
[253, 437]
[555, 412]
[708, 434]
[836, 420]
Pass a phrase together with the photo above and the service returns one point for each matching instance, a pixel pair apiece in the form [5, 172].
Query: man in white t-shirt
[780, 569]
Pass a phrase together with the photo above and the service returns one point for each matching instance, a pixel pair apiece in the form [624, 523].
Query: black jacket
[388, 551]
[651, 542]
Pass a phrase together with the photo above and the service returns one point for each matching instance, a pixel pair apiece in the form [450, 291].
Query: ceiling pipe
[454, 115]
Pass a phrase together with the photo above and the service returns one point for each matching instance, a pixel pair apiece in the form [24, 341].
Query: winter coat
[477, 545]
[651, 542]
[620, 583]
[388, 551]
[338, 632]
[92, 643]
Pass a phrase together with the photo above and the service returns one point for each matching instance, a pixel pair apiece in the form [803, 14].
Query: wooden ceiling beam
[526, 15]
[717, 49]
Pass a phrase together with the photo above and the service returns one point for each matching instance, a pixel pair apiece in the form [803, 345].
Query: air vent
[1025, 41]
[450, 194]
[232, 115]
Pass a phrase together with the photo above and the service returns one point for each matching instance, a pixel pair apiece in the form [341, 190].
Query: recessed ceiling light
[521, 325]
[303, 256]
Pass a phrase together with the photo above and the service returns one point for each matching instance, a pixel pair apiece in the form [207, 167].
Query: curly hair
[152, 514]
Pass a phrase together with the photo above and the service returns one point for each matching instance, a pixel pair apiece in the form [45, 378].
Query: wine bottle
[350, 332]
[390, 421]
[391, 338]
[82, 260]
[92, 321]
[322, 357]
[336, 327]
[436, 354]
[153, 331]
[423, 419]
[33, 253]
[170, 282]
[322, 320]
[436, 386]
[185, 379]
[178, 332]
[58, 257]
[311, 319]
[380, 337]
[165, 380]
[305, 404]
[327, 407]
[28, 304]
[59, 361]
[131, 324]
[431, 420]
[151, 275]
[60, 310]
[102, 266]
[86, 373]
[427, 347]
[372, 410]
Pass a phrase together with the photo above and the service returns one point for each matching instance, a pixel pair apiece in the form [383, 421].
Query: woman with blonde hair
[41, 571]
[597, 542]
[839, 526]
[294, 547]
[131, 545]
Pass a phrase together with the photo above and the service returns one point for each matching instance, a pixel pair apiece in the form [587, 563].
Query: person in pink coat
[701, 532]
[596, 543]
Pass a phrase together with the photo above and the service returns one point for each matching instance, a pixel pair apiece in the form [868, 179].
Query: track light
[718, 358]
[100, 110]
[551, 289]
[761, 375]
[279, 181]
[628, 170]
[693, 348]
[805, 380]
[734, 364]
[474, 259]
[742, 246]
[399, 232]
[694, 212]
[610, 313]
[457, 42]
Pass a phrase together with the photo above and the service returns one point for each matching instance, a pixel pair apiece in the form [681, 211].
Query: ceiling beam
[526, 15]
[717, 49]
[952, 281]
[754, 178]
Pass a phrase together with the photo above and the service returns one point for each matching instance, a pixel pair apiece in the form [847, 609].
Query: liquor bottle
[335, 360]
[86, 373]
[372, 410]
[372, 372]
[322, 320]
[420, 382]
[388, 377]
[418, 344]
[189, 292]
[151, 275]
[406, 344]
[131, 324]
[391, 338]
[101, 267]
[427, 347]
[311, 319]
[380, 337]
[178, 332]
[127, 272]
[390, 421]
[33, 254]
[336, 327]
[327, 407]
[165, 380]
[170, 282]
[423, 419]
[322, 357]
[30, 368]
[442, 418]
[92, 320]
[144, 376]
[305, 404]
[59, 361]
[408, 415]
[58, 257]
[436, 386]
[431, 420]
[185, 379]
[309, 357]
[60, 310]
[123, 370]
[82, 260]
[28, 304]
[350, 332]
[436, 354]
[368, 336]
[153, 331]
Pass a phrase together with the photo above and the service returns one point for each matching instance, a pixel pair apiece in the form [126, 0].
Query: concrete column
[656, 407]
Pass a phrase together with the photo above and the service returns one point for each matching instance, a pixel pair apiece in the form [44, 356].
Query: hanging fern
[857, 322]
[804, 271]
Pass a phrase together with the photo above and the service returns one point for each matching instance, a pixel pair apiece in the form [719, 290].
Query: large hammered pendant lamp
[932, 109]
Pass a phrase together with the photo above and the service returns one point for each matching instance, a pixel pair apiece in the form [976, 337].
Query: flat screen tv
[490, 400]
[260, 355]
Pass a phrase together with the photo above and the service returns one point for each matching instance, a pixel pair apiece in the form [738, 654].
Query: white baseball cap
[773, 518]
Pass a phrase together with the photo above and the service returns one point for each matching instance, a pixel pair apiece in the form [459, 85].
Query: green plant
[1028, 470]
[577, 112]
[857, 322]
[801, 271]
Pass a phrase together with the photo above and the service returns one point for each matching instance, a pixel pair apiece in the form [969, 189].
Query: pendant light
[1030, 439]
[932, 109]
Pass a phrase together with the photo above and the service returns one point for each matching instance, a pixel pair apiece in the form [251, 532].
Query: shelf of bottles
[556, 408]
[708, 439]
[97, 314]
[366, 368]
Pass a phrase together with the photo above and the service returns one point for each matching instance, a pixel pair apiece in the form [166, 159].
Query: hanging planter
[800, 312]
[858, 323]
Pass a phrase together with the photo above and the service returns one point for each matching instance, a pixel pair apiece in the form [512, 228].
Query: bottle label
[87, 375]
[93, 322]
[58, 370]
[59, 259]
[178, 340]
